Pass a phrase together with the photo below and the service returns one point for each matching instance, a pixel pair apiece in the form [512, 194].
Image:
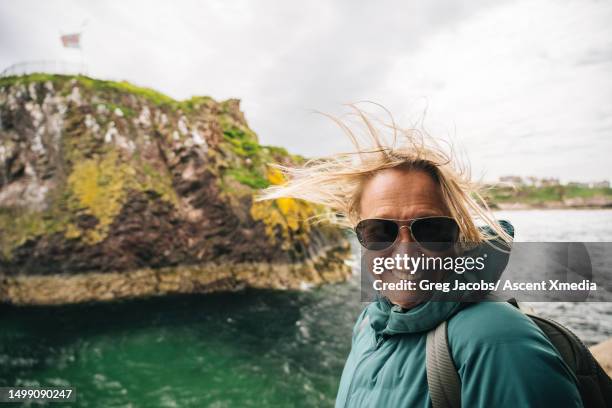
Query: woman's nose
[404, 234]
[407, 245]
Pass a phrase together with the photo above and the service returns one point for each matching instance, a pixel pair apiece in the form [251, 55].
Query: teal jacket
[503, 359]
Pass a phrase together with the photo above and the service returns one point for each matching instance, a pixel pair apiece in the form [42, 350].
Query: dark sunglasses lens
[376, 235]
[435, 233]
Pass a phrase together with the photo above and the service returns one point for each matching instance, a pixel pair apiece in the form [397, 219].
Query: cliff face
[108, 190]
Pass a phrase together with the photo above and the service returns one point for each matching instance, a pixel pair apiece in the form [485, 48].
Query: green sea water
[252, 349]
[245, 349]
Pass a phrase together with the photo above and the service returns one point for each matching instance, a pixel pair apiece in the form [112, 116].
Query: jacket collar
[389, 319]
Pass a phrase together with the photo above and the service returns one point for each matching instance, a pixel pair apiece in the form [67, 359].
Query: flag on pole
[71, 40]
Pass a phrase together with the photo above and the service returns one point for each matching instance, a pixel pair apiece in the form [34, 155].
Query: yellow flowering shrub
[286, 217]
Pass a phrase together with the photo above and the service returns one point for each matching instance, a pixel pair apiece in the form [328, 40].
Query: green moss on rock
[161, 151]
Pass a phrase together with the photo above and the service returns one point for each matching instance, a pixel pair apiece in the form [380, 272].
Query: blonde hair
[336, 181]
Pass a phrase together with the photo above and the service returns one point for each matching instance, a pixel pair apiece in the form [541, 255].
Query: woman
[502, 358]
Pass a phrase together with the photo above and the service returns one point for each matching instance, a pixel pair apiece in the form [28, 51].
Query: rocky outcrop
[109, 191]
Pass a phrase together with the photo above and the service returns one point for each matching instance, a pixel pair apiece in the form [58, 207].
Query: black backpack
[594, 385]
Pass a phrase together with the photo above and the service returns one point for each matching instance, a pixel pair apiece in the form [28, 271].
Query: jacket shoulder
[500, 354]
[491, 322]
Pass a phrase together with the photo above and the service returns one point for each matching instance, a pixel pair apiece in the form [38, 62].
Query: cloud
[516, 89]
[510, 77]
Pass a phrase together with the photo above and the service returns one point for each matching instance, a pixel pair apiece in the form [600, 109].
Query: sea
[256, 348]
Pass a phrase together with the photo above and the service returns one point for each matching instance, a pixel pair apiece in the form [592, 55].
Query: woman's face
[402, 194]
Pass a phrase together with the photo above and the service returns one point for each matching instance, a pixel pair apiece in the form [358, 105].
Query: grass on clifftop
[62, 82]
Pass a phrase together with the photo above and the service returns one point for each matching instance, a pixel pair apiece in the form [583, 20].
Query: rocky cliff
[108, 191]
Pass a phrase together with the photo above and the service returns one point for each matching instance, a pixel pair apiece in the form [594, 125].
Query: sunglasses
[436, 234]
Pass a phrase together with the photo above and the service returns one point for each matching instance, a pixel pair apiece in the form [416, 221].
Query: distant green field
[538, 195]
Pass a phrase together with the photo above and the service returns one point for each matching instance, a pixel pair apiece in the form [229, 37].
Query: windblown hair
[336, 181]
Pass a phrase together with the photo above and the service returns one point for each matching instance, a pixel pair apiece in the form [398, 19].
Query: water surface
[251, 349]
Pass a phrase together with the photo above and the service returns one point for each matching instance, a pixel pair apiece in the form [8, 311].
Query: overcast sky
[524, 87]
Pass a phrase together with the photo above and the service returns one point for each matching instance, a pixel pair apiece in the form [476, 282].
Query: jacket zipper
[379, 342]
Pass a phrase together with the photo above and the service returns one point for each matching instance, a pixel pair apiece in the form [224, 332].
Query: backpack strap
[442, 377]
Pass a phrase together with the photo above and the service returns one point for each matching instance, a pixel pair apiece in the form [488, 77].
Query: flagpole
[82, 61]
[83, 25]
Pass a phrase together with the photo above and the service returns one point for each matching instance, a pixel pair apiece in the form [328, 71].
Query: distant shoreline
[553, 197]
[545, 206]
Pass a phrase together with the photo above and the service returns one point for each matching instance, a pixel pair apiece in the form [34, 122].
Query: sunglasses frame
[401, 224]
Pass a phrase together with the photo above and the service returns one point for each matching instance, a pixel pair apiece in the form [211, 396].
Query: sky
[519, 87]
